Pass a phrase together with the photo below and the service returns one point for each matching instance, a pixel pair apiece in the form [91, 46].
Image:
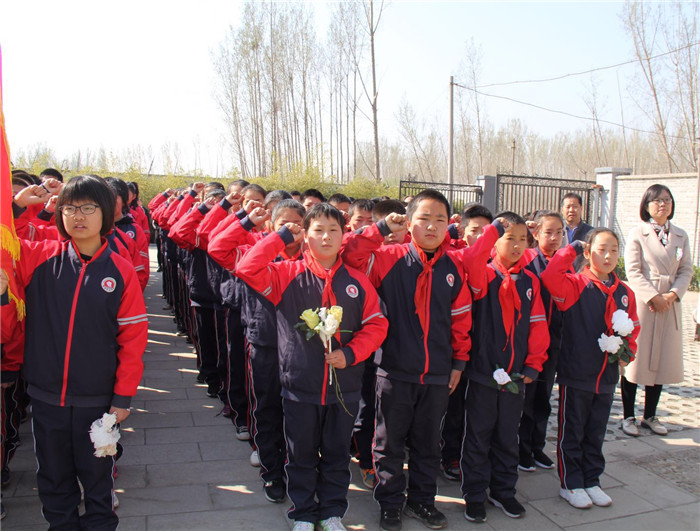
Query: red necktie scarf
[424, 284]
[509, 298]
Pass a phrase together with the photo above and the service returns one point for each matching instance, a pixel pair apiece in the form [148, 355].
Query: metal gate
[458, 195]
[524, 194]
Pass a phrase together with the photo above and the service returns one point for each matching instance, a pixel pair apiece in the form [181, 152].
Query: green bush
[620, 269]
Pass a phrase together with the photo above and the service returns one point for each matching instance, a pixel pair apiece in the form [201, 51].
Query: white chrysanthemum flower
[609, 343]
[104, 435]
[501, 377]
[621, 323]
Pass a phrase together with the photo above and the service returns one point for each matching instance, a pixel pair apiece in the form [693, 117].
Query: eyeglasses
[86, 210]
[662, 201]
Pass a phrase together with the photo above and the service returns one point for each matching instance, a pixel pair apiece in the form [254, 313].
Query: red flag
[9, 244]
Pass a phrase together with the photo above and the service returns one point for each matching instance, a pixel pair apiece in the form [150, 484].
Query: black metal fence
[459, 194]
[525, 194]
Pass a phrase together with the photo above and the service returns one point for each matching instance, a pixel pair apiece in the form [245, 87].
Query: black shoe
[526, 463]
[450, 469]
[3, 511]
[427, 514]
[275, 491]
[213, 390]
[200, 378]
[390, 520]
[510, 506]
[5, 476]
[475, 512]
[541, 459]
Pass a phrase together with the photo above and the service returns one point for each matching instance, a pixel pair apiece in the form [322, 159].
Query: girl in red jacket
[86, 331]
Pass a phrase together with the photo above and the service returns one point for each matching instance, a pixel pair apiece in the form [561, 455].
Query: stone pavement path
[183, 468]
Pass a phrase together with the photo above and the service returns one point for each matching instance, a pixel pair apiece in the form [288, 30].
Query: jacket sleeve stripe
[370, 264]
[463, 309]
[378, 315]
[132, 319]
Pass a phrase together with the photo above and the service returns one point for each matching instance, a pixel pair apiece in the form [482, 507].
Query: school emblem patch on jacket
[352, 291]
[109, 284]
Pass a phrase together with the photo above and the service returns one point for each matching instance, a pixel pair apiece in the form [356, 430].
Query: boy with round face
[360, 214]
[423, 286]
[317, 426]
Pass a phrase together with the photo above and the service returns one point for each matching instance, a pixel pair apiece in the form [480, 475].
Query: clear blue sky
[81, 74]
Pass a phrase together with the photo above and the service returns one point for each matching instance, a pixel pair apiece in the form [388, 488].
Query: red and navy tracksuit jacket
[305, 284]
[582, 364]
[86, 325]
[523, 349]
[414, 352]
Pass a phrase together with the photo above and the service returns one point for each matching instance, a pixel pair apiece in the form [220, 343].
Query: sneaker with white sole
[254, 459]
[303, 526]
[332, 524]
[115, 501]
[629, 427]
[654, 425]
[577, 498]
[598, 497]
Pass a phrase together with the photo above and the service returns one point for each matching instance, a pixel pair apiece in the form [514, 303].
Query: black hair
[511, 217]
[276, 195]
[475, 210]
[540, 216]
[254, 188]
[591, 236]
[216, 192]
[239, 182]
[134, 189]
[386, 207]
[22, 178]
[215, 184]
[653, 192]
[53, 173]
[380, 198]
[323, 210]
[361, 204]
[312, 192]
[294, 192]
[90, 188]
[288, 203]
[339, 198]
[120, 189]
[428, 193]
[572, 195]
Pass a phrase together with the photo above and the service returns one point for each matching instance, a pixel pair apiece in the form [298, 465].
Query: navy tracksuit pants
[363, 432]
[537, 408]
[318, 464]
[583, 419]
[232, 369]
[65, 453]
[266, 416]
[408, 414]
[490, 444]
[453, 425]
[211, 342]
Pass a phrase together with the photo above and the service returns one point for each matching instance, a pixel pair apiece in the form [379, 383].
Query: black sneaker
[3, 511]
[526, 463]
[390, 520]
[510, 506]
[200, 378]
[475, 512]
[275, 491]
[213, 390]
[541, 459]
[427, 514]
[5, 477]
[450, 469]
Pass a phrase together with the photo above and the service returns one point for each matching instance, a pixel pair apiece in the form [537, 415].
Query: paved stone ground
[184, 469]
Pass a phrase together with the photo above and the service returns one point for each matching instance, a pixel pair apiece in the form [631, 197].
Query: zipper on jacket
[69, 340]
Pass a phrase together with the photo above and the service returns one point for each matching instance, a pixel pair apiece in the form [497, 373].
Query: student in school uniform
[86, 323]
[509, 336]
[586, 374]
[317, 426]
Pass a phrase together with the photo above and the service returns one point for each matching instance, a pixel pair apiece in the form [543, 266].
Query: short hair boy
[317, 427]
[509, 336]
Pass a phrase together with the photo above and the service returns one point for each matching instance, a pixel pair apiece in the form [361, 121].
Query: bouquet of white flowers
[104, 434]
[617, 345]
[325, 323]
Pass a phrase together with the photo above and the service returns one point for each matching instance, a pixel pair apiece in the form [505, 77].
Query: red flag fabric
[9, 244]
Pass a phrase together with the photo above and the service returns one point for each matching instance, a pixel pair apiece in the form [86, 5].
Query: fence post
[607, 178]
[489, 185]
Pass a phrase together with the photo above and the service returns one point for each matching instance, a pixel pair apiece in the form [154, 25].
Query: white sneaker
[577, 498]
[629, 427]
[654, 425]
[254, 459]
[115, 501]
[598, 497]
[332, 524]
[303, 526]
